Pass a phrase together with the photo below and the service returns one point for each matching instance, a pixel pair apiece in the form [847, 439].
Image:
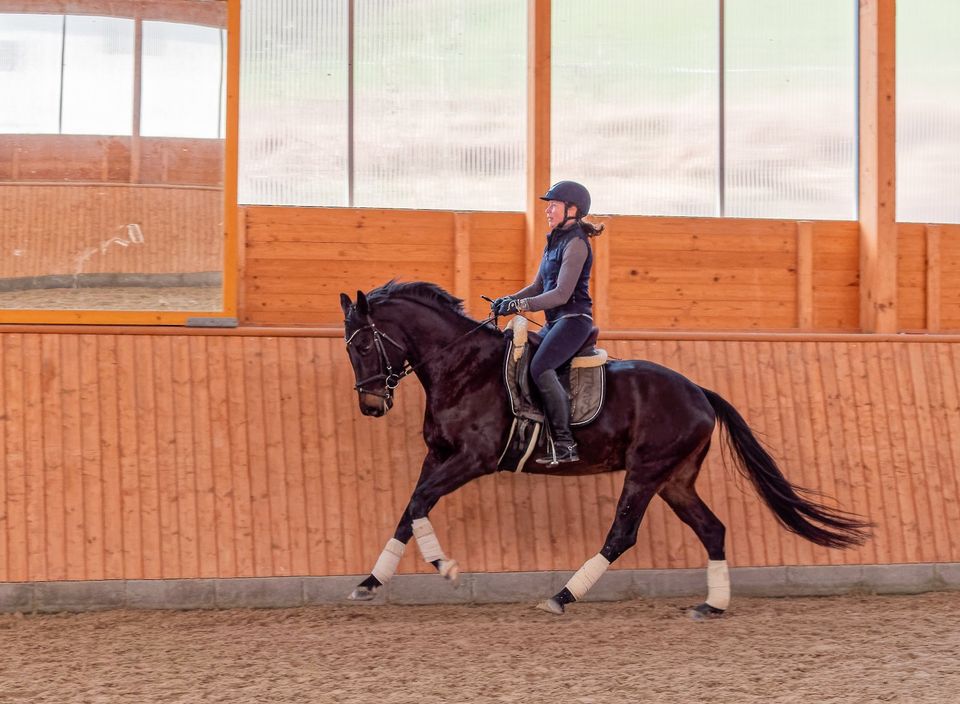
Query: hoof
[704, 612]
[362, 594]
[551, 606]
[450, 571]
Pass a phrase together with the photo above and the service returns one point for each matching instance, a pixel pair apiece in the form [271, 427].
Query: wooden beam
[805, 275]
[461, 257]
[877, 197]
[231, 211]
[601, 276]
[538, 129]
[933, 287]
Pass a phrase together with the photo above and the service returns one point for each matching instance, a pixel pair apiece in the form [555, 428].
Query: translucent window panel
[181, 82]
[928, 111]
[30, 56]
[440, 116]
[791, 102]
[635, 103]
[98, 76]
[293, 102]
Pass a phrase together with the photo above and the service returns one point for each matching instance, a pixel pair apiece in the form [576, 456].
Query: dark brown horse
[656, 425]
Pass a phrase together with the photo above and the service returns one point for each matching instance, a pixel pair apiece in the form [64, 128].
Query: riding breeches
[563, 339]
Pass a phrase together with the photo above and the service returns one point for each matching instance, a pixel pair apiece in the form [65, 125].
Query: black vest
[557, 242]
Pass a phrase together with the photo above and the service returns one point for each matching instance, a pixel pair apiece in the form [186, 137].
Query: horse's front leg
[436, 480]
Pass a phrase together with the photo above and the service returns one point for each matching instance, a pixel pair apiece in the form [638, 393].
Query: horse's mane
[422, 291]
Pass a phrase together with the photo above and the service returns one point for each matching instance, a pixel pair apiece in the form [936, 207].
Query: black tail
[797, 514]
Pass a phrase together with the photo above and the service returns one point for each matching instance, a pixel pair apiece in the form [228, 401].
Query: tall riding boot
[556, 404]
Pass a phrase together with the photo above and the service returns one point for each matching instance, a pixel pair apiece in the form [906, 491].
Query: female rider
[561, 290]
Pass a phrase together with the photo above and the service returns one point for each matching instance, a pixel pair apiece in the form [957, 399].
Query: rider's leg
[563, 339]
[556, 405]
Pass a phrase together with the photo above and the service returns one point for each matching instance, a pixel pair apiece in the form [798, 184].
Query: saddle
[583, 377]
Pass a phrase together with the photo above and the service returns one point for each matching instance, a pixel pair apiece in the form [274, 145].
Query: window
[438, 117]
[638, 101]
[183, 72]
[634, 103]
[928, 111]
[97, 76]
[790, 109]
[30, 46]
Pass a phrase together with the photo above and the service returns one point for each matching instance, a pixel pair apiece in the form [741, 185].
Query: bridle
[389, 377]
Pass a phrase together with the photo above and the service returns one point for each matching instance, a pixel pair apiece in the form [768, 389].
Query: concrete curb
[480, 588]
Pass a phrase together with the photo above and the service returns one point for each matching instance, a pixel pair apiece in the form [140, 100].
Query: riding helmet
[570, 193]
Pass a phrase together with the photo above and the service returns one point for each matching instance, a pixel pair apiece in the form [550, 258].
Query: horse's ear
[345, 304]
[363, 308]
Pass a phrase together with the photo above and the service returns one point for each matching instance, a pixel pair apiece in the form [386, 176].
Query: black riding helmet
[570, 193]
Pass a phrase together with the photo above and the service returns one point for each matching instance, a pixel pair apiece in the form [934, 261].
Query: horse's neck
[440, 341]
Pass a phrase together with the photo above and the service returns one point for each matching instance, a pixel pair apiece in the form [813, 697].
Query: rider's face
[555, 212]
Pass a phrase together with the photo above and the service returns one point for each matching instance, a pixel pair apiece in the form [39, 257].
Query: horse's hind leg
[637, 491]
[681, 495]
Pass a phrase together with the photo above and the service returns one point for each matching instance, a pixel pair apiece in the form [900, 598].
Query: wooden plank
[108, 370]
[91, 467]
[926, 480]
[333, 553]
[877, 166]
[72, 438]
[53, 459]
[167, 479]
[805, 275]
[290, 449]
[7, 413]
[126, 410]
[274, 469]
[461, 255]
[392, 222]
[185, 460]
[324, 251]
[934, 235]
[198, 354]
[245, 545]
[15, 429]
[144, 410]
[943, 365]
[345, 408]
[891, 517]
[601, 280]
[261, 502]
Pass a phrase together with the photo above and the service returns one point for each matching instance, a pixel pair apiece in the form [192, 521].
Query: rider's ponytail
[591, 229]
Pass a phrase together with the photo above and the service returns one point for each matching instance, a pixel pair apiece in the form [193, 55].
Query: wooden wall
[68, 229]
[671, 273]
[105, 159]
[151, 455]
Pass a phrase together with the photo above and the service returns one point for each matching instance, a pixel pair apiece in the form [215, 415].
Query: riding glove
[506, 306]
[495, 305]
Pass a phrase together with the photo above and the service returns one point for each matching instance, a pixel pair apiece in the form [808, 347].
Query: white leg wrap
[718, 584]
[388, 561]
[587, 575]
[427, 540]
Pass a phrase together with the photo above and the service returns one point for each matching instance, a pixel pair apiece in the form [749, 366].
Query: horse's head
[376, 357]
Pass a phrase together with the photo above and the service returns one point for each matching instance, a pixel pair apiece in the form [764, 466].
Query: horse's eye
[365, 349]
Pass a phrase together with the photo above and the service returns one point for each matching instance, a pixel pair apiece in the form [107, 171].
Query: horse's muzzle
[375, 405]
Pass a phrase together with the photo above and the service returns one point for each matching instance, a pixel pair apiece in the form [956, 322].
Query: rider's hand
[495, 305]
[506, 306]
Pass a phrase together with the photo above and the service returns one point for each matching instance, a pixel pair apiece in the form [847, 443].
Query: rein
[391, 379]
